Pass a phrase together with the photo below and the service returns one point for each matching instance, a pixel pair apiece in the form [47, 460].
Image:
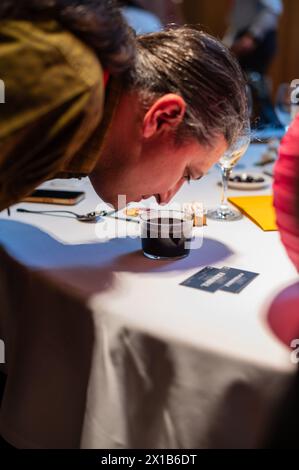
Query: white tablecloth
[158, 364]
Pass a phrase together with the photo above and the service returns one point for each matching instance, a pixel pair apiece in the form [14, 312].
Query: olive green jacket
[51, 124]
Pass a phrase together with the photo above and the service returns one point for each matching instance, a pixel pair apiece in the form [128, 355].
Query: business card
[226, 279]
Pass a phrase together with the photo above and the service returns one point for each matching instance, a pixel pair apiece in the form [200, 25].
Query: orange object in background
[259, 209]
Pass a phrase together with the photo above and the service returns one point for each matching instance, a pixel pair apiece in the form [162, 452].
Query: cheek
[163, 180]
[165, 174]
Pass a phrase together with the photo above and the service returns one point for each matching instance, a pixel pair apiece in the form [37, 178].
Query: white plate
[267, 181]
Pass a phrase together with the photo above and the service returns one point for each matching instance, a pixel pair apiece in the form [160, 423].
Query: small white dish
[249, 181]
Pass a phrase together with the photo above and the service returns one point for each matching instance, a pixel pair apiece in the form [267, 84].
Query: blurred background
[214, 16]
[261, 33]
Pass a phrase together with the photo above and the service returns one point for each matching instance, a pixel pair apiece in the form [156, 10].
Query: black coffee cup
[166, 234]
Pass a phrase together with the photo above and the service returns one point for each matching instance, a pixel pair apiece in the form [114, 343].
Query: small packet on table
[196, 209]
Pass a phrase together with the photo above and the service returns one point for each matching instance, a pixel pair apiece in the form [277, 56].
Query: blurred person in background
[252, 36]
[139, 18]
[146, 16]
[168, 11]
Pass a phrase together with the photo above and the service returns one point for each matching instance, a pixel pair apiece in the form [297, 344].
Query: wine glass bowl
[226, 163]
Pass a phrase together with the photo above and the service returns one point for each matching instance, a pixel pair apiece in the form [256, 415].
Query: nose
[165, 198]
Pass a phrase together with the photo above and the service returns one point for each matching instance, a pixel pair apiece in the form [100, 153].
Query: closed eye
[199, 178]
[189, 178]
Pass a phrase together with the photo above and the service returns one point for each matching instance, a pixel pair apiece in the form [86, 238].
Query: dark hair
[98, 23]
[199, 68]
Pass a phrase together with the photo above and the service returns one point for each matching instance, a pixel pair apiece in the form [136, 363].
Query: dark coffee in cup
[166, 237]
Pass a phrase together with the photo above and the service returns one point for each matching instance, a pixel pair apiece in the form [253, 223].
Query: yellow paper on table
[259, 209]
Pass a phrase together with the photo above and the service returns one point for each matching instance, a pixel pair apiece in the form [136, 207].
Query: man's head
[185, 105]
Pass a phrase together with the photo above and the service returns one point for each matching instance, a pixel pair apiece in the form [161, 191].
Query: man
[174, 101]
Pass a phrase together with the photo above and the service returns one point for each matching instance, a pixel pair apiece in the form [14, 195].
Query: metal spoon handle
[124, 219]
[26, 211]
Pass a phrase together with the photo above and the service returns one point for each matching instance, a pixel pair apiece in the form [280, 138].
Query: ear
[165, 114]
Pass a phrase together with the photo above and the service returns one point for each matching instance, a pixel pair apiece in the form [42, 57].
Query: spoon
[90, 217]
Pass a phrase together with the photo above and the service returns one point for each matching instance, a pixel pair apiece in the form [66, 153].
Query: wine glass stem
[225, 178]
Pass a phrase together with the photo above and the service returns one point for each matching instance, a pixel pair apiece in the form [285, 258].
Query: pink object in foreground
[286, 192]
[283, 316]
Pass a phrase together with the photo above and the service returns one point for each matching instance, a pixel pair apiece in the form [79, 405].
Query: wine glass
[250, 108]
[226, 164]
[283, 105]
